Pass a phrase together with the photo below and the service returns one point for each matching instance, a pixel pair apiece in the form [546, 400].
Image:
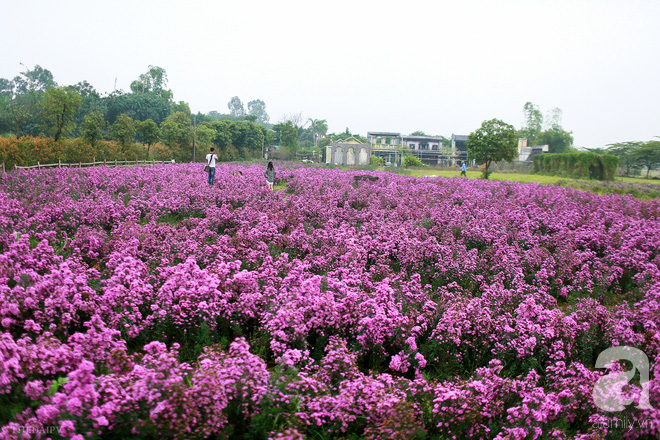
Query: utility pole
[194, 135]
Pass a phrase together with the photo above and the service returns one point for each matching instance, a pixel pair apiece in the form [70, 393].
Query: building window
[434, 147]
[424, 146]
[412, 146]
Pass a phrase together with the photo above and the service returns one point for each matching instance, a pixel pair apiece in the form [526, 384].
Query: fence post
[115, 161]
[94, 160]
[104, 162]
[38, 164]
[59, 163]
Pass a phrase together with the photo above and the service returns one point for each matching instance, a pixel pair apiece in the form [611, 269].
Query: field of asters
[140, 303]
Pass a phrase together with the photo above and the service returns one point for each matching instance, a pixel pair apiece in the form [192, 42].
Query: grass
[537, 178]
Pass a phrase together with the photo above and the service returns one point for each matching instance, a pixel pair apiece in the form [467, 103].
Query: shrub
[412, 161]
[377, 161]
[577, 165]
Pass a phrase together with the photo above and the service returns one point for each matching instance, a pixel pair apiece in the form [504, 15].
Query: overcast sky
[438, 66]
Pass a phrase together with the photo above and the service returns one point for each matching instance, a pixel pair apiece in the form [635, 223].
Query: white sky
[438, 66]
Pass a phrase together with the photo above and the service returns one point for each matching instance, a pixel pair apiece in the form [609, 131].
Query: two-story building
[393, 146]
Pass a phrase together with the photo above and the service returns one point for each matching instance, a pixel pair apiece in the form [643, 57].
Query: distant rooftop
[382, 133]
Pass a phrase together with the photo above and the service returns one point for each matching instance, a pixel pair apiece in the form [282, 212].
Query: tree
[557, 139]
[533, 123]
[236, 107]
[258, 108]
[59, 107]
[123, 131]
[92, 127]
[319, 128]
[418, 133]
[287, 133]
[624, 151]
[154, 81]
[181, 106]
[495, 140]
[648, 155]
[177, 133]
[412, 161]
[37, 79]
[553, 119]
[140, 107]
[149, 132]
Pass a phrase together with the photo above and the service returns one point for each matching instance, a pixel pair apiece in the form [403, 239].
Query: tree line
[143, 123]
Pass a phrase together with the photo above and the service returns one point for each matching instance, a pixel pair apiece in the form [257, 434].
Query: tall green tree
[23, 96]
[92, 127]
[258, 108]
[138, 106]
[177, 133]
[495, 140]
[533, 123]
[236, 107]
[59, 108]
[149, 132]
[153, 81]
[288, 135]
[648, 155]
[624, 151]
[319, 128]
[123, 131]
[557, 139]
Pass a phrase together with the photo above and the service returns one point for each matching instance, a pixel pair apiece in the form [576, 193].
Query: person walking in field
[211, 158]
[463, 170]
[270, 175]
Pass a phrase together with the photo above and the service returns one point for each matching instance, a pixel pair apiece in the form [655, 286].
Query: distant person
[270, 175]
[463, 170]
[211, 158]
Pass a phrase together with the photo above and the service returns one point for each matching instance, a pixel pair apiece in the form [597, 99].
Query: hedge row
[28, 150]
[577, 165]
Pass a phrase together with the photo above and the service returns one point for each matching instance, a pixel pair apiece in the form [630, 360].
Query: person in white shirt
[211, 158]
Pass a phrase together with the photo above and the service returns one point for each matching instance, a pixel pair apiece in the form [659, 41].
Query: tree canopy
[495, 140]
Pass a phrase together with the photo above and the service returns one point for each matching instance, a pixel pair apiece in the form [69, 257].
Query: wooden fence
[110, 163]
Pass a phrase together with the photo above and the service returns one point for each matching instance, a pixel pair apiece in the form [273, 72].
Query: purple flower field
[141, 303]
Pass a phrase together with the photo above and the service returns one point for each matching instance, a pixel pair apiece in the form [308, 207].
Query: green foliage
[557, 140]
[139, 106]
[177, 133]
[628, 161]
[648, 155]
[123, 130]
[495, 140]
[411, 161]
[583, 165]
[148, 131]
[92, 128]
[236, 107]
[377, 161]
[258, 108]
[288, 135]
[533, 123]
[59, 107]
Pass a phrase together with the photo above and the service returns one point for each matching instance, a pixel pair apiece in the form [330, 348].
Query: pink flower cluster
[142, 302]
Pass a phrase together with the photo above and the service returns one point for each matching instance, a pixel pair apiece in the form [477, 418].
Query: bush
[377, 161]
[412, 161]
[577, 165]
